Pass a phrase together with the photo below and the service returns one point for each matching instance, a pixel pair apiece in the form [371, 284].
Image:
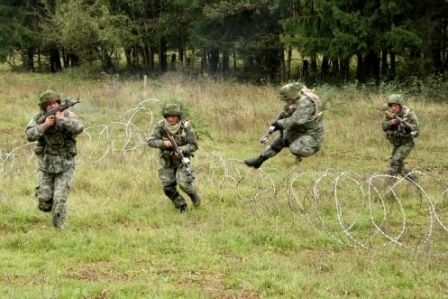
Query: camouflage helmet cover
[395, 99]
[47, 97]
[290, 91]
[172, 109]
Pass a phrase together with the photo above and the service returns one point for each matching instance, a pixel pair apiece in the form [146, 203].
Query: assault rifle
[67, 104]
[265, 138]
[402, 121]
[185, 161]
[272, 129]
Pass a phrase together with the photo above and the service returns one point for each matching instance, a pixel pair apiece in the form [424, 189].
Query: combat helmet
[395, 99]
[172, 109]
[47, 97]
[290, 91]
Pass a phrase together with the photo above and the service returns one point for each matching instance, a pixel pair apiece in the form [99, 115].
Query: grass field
[324, 228]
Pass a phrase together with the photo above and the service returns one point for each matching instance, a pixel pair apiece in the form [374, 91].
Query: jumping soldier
[173, 170]
[55, 151]
[401, 126]
[300, 123]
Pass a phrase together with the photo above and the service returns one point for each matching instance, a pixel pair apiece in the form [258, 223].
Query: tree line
[317, 41]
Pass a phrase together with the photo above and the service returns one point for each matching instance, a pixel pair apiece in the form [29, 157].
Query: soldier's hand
[49, 121]
[272, 129]
[181, 149]
[275, 126]
[59, 116]
[167, 144]
[394, 121]
[389, 114]
[264, 139]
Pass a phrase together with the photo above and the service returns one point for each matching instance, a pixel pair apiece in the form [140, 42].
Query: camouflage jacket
[398, 134]
[184, 137]
[305, 117]
[56, 146]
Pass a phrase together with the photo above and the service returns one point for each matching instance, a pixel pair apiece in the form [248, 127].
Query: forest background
[246, 40]
[328, 227]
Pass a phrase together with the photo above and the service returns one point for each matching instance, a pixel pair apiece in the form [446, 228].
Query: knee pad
[170, 191]
[277, 144]
[304, 146]
[45, 205]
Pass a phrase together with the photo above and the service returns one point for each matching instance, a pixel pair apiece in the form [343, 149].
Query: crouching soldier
[401, 126]
[174, 166]
[300, 124]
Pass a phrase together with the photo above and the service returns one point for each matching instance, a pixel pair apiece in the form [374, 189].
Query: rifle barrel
[179, 153]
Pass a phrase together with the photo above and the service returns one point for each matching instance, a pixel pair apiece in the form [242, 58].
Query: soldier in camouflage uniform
[400, 134]
[172, 171]
[55, 151]
[300, 123]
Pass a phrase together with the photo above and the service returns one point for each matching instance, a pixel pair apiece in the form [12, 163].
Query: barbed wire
[355, 209]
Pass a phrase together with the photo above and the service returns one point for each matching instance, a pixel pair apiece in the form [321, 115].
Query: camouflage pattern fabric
[303, 129]
[401, 139]
[172, 171]
[55, 151]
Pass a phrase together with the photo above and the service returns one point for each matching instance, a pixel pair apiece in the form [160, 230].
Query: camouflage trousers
[52, 192]
[173, 176]
[399, 153]
[303, 146]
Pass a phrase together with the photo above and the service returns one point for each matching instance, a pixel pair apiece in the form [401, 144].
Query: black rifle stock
[185, 161]
[272, 129]
[67, 104]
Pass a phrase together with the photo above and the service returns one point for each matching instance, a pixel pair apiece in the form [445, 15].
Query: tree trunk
[55, 60]
[225, 61]
[392, 72]
[214, 60]
[204, 62]
[162, 55]
[336, 70]
[360, 68]
[384, 65]
[30, 60]
[345, 70]
[235, 68]
[325, 68]
[288, 64]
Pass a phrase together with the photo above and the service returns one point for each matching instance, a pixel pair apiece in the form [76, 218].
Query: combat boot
[195, 199]
[255, 162]
[181, 207]
[392, 173]
[179, 203]
[59, 217]
[410, 176]
[176, 198]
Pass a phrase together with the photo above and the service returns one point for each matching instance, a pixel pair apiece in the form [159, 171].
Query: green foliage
[15, 28]
[87, 29]
[343, 29]
[400, 38]
[138, 37]
[326, 93]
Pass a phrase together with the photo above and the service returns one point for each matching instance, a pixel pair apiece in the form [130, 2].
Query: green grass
[325, 228]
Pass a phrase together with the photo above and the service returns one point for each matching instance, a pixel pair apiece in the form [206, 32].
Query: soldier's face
[395, 108]
[289, 101]
[172, 119]
[52, 105]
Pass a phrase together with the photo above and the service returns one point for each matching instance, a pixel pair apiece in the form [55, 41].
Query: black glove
[276, 126]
